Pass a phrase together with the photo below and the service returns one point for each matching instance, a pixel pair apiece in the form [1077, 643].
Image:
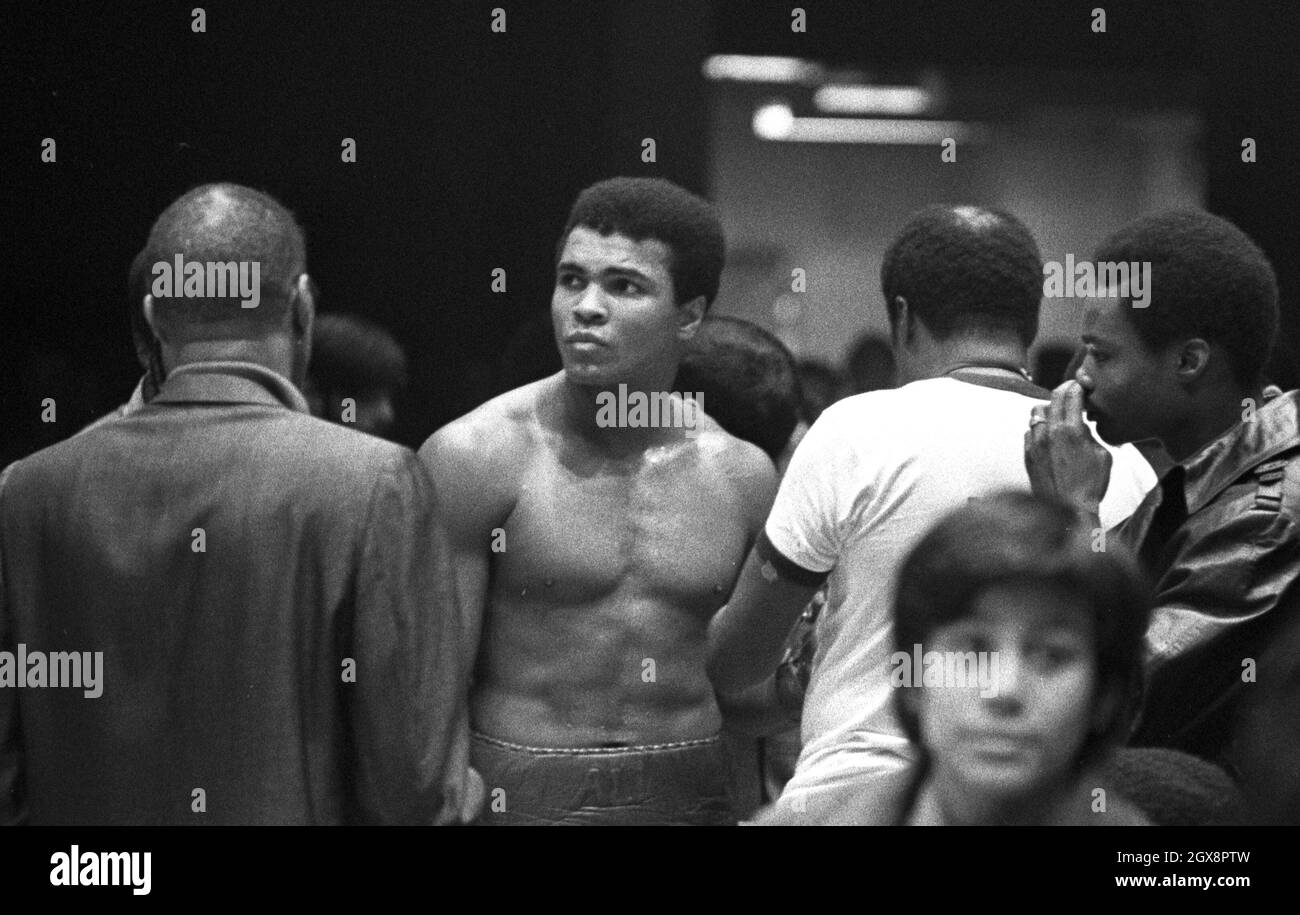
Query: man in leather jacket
[1219, 534]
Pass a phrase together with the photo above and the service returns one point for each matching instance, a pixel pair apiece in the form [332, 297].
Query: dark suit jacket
[227, 695]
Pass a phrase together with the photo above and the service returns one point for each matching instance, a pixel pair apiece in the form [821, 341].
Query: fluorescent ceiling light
[777, 122]
[753, 69]
[899, 100]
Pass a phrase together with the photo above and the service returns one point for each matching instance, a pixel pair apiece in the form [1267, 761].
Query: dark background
[471, 145]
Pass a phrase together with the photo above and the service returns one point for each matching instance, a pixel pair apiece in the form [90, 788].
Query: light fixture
[775, 121]
[896, 100]
[748, 68]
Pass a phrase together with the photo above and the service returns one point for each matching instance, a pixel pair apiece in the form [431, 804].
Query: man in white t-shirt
[876, 471]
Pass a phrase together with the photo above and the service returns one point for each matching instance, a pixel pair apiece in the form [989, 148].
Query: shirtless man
[596, 554]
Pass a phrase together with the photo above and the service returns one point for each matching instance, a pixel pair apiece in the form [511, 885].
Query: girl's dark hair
[1016, 537]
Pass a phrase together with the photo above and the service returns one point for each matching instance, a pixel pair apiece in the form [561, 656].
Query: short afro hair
[963, 269]
[350, 355]
[1208, 280]
[1013, 536]
[748, 379]
[225, 222]
[642, 208]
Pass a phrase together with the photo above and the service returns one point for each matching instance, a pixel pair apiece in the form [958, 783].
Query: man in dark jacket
[1219, 535]
[217, 609]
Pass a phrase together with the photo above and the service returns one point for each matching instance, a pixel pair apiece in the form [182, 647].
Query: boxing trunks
[671, 784]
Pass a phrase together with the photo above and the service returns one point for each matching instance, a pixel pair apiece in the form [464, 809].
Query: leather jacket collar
[1274, 429]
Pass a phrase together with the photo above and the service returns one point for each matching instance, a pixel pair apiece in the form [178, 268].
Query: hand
[1063, 459]
[471, 806]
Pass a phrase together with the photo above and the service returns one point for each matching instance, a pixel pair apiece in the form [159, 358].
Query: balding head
[965, 269]
[232, 233]
[223, 276]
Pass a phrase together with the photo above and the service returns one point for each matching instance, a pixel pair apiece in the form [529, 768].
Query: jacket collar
[1274, 430]
[230, 382]
[136, 400]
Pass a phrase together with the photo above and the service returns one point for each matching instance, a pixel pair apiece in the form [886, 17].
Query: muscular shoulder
[477, 461]
[490, 439]
[744, 465]
[736, 456]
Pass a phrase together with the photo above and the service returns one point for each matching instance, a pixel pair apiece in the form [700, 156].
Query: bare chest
[669, 529]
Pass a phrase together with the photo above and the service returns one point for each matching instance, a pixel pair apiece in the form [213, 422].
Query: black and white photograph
[651, 413]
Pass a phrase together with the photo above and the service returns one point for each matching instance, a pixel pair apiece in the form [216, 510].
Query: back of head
[350, 355]
[236, 235]
[1015, 537]
[1208, 280]
[748, 380]
[963, 270]
[642, 208]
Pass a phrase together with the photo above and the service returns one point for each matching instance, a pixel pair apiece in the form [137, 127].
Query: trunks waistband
[598, 751]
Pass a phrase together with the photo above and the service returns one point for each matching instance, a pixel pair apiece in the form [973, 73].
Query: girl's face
[1021, 738]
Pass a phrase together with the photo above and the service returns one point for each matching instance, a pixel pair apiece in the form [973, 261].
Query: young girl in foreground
[1057, 629]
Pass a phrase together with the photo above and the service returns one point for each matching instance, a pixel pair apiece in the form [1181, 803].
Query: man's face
[613, 308]
[1025, 735]
[1130, 391]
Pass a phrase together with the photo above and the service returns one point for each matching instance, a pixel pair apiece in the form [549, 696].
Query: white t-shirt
[875, 473]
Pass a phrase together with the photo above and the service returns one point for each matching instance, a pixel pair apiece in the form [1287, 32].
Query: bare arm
[757, 480]
[757, 711]
[747, 637]
[469, 467]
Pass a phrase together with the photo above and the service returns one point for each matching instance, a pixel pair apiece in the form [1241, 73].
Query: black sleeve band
[786, 569]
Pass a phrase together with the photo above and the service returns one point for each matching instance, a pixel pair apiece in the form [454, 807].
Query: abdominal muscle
[626, 670]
